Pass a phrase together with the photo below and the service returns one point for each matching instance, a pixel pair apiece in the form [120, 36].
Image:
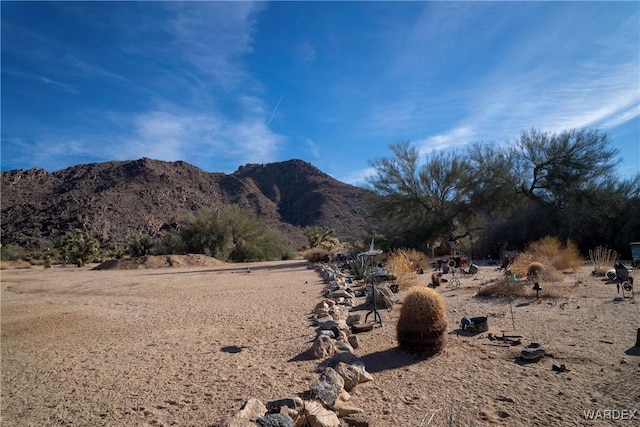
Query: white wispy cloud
[215, 37]
[357, 176]
[313, 148]
[181, 135]
[42, 79]
[305, 52]
[452, 139]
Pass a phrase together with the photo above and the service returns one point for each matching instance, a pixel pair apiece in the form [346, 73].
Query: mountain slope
[115, 199]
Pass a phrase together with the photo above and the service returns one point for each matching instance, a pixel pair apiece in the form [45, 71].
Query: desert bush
[317, 255]
[319, 236]
[79, 245]
[170, 244]
[554, 256]
[505, 288]
[139, 245]
[202, 233]
[249, 239]
[551, 250]
[602, 259]
[236, 234]
[403, 268]
[11, 252]
[423, 321]
[332, 244]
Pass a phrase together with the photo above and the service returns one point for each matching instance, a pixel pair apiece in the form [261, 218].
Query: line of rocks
[327, 400]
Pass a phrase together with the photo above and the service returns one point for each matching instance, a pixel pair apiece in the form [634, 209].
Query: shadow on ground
[392, 358]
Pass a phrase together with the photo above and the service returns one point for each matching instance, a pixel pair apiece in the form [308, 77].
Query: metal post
[368, 265]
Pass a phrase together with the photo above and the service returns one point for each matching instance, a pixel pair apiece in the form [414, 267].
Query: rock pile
[327, 400]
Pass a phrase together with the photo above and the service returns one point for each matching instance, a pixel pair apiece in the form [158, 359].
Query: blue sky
[221, 84]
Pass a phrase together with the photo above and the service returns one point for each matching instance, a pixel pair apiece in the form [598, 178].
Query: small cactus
[535, 270]
[423, 322]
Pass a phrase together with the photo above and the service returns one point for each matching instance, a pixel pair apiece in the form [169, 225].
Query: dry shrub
[419, 259]
[505, 288]
[317, 255]
[423, 321]
[554, 257]
[521, 263]
[331, 244]
[403, 268]
[561, 257]
[602, 259]
[8, 265]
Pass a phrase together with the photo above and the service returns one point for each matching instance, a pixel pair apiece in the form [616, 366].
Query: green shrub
[202, 233]
[79, 245]
[138, 245]
[11, 252]
[249, 239]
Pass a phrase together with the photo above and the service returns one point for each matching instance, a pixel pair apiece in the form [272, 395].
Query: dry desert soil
[188, 344]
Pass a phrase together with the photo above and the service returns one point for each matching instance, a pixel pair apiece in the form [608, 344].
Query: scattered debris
[560, 368]
[532, 353]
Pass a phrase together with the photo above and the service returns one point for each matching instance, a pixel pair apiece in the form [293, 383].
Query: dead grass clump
[552, 255]
[403, 268]
[317, 255]
[561, 257]
[522, 289]
[423, 321]
[602, 259]
[504, 289]
[8, 265]
[520, 264]
[418, 259]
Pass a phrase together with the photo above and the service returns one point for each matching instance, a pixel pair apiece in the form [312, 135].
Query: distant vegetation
[234, 234]
[492, 197]
[479, 202]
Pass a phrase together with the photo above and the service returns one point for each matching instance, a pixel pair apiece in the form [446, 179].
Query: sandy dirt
[188, 345]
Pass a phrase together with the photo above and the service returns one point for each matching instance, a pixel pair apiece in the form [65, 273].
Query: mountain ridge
[151, 197]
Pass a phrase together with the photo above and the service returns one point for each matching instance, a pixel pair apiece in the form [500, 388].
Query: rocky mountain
[152, 197]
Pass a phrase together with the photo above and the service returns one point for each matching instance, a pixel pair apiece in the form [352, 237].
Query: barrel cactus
[423, 322]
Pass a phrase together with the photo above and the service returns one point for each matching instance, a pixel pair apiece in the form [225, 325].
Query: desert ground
[188, 345]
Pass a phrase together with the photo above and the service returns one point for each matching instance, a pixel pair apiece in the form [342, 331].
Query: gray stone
[275, 420]
[341, 293]
[354, 319]
[344, 346]
[326, 391]
[328, 333]
[330, 324]
[323, 320]
[274, 406]
[350, 375]
[319, 416]
[354, 341]
[323, 346]
[343, 356]
[252, 408]
[331, 375]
